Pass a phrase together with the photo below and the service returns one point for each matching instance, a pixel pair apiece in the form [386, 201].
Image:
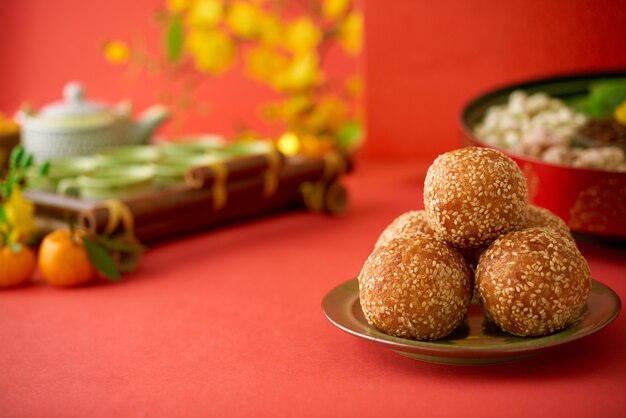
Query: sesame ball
[409, 222]
[415, 287]
[473, 195]
[541, 217]
[532, 282]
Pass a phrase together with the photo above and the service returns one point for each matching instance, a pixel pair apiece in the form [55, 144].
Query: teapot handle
[69, 187]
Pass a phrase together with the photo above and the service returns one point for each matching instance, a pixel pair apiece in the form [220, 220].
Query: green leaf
[605, 96]
[15, 247]
[350, 135]
[174, 39]
[43, 169]
[6, 189]
[118, 245]
[579, 102]
[16, 156]
[27, 161]
[101, 260]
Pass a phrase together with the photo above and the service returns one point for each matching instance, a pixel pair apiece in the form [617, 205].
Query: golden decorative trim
[334, 165]
[271, 175]
[599, 208]
[219, 192]
[118, 213]
[335, 199]
[313, 195]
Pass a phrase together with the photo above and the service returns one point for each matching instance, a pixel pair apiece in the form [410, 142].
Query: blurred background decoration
[421, 61]
[17, 214]
[9, 138]
[280, 44]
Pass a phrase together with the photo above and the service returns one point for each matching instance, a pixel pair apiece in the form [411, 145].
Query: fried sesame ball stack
[416, 287]
[532, 282]
[541, 217]
[408, 222]
[473, 195]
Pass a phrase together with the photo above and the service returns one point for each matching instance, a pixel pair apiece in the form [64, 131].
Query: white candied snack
[540, 126]
[529, 124]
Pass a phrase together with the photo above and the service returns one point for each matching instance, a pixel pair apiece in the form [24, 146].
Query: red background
[422, 61]
[228, 323]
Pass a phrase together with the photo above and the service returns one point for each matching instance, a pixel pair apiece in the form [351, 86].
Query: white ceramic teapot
[76, 126]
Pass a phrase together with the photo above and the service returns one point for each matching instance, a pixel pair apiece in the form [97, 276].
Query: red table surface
[228, 323]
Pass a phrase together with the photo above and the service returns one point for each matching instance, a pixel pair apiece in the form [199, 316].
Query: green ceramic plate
[476, 340]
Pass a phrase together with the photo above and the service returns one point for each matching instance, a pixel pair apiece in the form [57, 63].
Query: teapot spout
[148, 121]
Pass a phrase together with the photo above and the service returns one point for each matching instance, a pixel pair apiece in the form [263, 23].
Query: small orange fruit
[16, 267]
[63, 260]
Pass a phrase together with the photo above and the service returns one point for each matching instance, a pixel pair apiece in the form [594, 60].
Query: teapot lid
[73, 104]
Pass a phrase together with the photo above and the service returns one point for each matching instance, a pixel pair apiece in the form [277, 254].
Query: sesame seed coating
[473, 195]
[532, 282]
[541, 217]
[408, 222]
[416, 287]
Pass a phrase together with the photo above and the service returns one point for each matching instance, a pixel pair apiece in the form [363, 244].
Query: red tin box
[590, 201]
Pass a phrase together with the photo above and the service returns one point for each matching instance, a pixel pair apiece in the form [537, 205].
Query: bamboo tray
[211, 196]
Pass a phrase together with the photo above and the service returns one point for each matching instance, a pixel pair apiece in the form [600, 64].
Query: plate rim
[403, 345]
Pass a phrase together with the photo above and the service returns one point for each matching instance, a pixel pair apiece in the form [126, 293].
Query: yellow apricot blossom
[212, 50]
[278, 47]
[302, 35]
[116, 52]
[297, 104]
[270, 29]
[314, 145]
[206, 13]
[620, 113]
[351, 33]
[263, 63]
[333, 9]
[243, 19]
[177, 6]
[292, 109]
[288, 143]
[303, 71]
[20, 216]
[4, 232]
[328, 114]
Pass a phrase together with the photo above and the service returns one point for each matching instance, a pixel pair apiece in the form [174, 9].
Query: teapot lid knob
[74, 105]
[73, 92]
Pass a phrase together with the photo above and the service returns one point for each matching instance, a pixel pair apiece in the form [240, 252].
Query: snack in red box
[567, 135]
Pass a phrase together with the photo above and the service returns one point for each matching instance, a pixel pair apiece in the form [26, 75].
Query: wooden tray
[211, 196]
